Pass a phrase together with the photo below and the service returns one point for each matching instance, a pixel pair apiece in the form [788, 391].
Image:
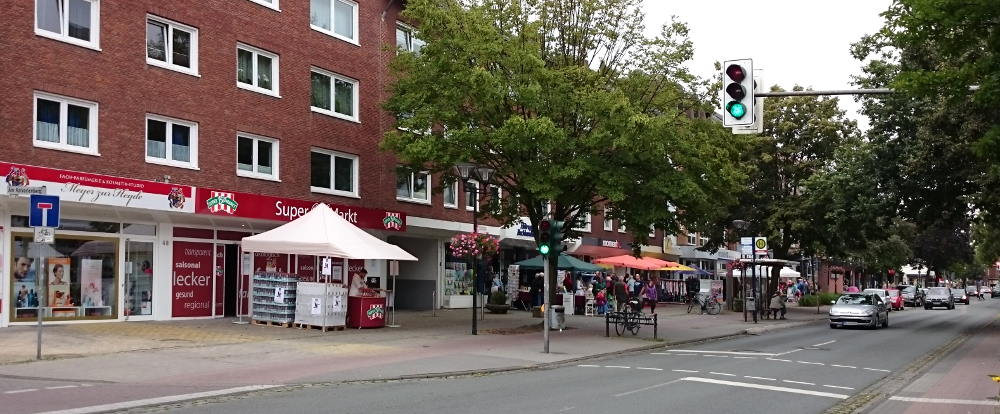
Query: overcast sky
[804, 42]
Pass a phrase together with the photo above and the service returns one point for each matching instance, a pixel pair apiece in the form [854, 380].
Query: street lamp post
[468, 172]
[919, 263]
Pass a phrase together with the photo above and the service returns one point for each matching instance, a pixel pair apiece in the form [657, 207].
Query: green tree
[570, 104]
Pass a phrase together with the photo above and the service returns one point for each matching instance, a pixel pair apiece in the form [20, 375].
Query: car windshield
[893, 293]
[970, 289]
[938, 291]
[855, 300]
[909, 289]
[958, 292]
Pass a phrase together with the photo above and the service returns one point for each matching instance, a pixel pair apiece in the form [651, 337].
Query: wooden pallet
[272, 323]
[320, 327]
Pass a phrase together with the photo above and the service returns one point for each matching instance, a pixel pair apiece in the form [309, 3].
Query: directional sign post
[43, 215]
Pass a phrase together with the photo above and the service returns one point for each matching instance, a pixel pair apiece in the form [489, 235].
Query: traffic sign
[760, 245]
[45, 235]
[746, 246]
[43, 211]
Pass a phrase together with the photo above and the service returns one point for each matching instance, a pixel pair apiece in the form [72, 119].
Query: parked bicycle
[630, 317]
[708, 302]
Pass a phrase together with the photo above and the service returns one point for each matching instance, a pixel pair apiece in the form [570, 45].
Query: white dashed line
[651, 369]
[760, 378]
[722, 373]
[717, 356]
[682, 354]
[615, 366]
[825, 343]
[60, 387]
[876, 369]
[766, 387]
[648, 388]
[589, 366]
[684, 370]
[86, 385]
[797, 382]
[843, 388]
[782, 360]
[810, 363]
[745, 357]
[20, 391]
[843, 366]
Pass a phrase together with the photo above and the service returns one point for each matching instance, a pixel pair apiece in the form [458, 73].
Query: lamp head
[464, 170]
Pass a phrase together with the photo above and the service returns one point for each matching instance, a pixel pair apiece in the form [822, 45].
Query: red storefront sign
[307, 268]
[192, 279]
[256, 206]
[99, 189]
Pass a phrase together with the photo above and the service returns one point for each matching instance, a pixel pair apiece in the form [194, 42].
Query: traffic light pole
[546, 309]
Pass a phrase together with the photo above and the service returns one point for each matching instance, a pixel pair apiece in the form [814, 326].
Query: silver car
[865, 308]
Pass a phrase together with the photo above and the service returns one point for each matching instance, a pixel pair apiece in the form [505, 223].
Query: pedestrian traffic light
[544, 237]
[738, 94]
[558, 230]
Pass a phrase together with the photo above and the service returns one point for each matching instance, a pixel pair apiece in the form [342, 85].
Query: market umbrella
[629, 261]
[566, 262]
[676, 266]
[696, 270]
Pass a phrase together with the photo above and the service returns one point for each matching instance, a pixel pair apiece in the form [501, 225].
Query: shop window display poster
[59, 282]
[91, 285]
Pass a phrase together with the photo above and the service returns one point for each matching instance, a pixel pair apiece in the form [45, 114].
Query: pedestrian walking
[621, 293]
[650, 295]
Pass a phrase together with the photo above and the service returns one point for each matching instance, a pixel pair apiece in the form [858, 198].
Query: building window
[585, 219]
[652, 231]
[171, 45]
[334, 95]
[471, 195]
[413, 186]
[171, 142]
[608, 226]
[692, 239]
[71, 21]
[267, 3]
[256, 70]
[337, 18]
[334, 173]
[451, 195]
[406, 39]
[66, 124]
[256, 157]
[621, 226]
[702, 240]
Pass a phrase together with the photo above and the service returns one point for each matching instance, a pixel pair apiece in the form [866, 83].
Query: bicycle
[712, 306]
[628, 318]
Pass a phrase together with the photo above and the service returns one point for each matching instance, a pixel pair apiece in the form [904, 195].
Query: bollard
[655, 325]
[607, 324]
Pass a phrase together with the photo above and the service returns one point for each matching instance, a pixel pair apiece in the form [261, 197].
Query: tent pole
[239, 287]
[326, 292]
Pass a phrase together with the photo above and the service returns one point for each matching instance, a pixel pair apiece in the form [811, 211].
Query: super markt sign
[256, 206]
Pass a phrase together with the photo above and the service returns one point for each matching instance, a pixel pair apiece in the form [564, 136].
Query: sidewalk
[220, 353]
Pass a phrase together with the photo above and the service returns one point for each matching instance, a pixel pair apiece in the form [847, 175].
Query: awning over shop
[522, 243]
[598, 251]
[566, 262]
[696, 270]
[661, 256]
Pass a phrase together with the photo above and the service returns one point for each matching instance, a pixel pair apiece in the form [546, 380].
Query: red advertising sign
[192, 279]
[220, 279]
[270, 262]
[256, 206]
[307, 268]
[99, 189]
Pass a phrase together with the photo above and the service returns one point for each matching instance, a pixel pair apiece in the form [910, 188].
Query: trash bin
[558, 318]
[751, 304]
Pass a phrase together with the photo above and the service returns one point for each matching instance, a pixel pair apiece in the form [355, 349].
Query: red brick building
[172, 129]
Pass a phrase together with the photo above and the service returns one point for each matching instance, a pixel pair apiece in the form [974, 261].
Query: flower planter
[497, 308]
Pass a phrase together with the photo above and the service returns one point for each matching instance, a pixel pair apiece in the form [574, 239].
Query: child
[602, 302]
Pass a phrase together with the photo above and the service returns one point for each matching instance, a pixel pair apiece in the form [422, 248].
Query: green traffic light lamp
[736, 109]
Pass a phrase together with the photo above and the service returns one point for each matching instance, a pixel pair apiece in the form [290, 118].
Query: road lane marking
[760, 378]
[589, 366]
[684, 370]
[765, 387]
[797, 382]
[86, 385]
[683, 354]
[717, 356]
[565, 409]
[788, 352]
[60, 387]
[722, 352]
[651, 369]
[160, 400]
[615, 366]
[944, 401]
[782, 360]
[824, 343]
[648, 388]
[843, 366]
[879, 370]
[20, 391]
[722, 373]
[745, 357]
[810, 363]
[843, 388]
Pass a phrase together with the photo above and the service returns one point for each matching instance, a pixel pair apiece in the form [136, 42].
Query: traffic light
[738, 95]
[558, 230]
[545, 237]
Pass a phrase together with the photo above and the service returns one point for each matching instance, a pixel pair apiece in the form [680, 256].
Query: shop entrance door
[232, 274]
[138, 285]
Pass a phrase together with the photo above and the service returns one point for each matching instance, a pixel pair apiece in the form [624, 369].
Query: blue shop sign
[525, 230]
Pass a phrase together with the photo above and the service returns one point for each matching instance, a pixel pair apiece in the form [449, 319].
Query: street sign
[24, 191]
[43, 211]
[45, 235]
[760, 245]
[746, 246]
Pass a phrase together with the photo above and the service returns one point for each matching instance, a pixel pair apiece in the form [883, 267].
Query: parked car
[895, 300]
[939, 296]
[971, 291]
[882, 293]
[961, 295]
[911, 295]
[994, 291]
[865, 308]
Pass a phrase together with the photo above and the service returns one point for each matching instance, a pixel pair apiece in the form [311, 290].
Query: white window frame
[355, 193]
[332, 111]
[275, 144]
[269, 5]
[413, 180]
[468, 206]
[62, 145]
[193, 164]
[333, 33]
[412, 34]
[609, 224]
[692, 239]
[454, 187]
[95, 26]
[702, 240]
[193, 70]
[621, 226]
[586, 222]
[275, 66]
[652, 231]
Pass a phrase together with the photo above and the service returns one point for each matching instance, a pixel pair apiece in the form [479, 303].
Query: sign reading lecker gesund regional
[99, 189]
[256, 206]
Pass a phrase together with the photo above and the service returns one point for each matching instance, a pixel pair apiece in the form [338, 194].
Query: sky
[804, 42]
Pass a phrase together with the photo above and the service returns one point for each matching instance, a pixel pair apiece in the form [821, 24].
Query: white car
[882, 293]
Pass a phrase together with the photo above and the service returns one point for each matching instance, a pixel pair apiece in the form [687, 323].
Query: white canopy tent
[323, 233]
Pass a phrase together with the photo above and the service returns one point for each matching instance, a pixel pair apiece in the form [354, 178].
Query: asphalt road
[801, 370]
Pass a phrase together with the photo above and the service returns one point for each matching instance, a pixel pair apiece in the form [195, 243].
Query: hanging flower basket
[837, 270]
[470, 245]
[737, 265]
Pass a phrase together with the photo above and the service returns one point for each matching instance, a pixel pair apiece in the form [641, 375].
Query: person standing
[621, 293]
[635, 286]
[650, 295]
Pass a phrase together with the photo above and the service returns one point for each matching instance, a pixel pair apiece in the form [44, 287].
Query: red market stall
[323, 233]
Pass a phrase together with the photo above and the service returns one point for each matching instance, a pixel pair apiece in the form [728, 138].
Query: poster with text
[306, 268]
[336, 271]
[220, 279]
[270, 262]
[193, 269]
[91, 285]
[58, 279]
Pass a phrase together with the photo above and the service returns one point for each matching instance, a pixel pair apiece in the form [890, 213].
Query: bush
[824, 299]
[738, 305]
[498, 298]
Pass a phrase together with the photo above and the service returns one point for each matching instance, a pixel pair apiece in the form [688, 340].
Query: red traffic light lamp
[736, 73]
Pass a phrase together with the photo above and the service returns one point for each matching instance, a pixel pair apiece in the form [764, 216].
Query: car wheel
[875, 322]
[833, 326]
[885, 323]
[927, 308]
